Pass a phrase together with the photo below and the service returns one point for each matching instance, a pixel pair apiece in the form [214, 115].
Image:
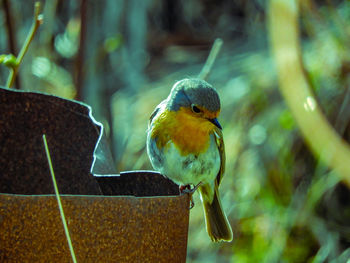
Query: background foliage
[122, 57]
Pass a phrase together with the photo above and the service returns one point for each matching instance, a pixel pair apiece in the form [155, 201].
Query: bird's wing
[156, 111]
[221, 146]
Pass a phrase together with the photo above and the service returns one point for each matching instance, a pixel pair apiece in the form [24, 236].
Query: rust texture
[103, 229]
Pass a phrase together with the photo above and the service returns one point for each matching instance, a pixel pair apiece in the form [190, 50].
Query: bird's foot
[189, 189]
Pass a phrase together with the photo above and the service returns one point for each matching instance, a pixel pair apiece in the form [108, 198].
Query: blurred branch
[10, 33]
[343, 117]
[38, 19]
[49, 12]
[318, 133]
[80, 58]
[9, 25]
[204, 74]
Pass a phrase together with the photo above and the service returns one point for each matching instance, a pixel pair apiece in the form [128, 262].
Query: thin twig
[211, 59]
[10, 33]
[9, 25]
[38, 19]
[59, 200]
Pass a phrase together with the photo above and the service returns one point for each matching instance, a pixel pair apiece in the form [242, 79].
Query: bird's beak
[216, 123]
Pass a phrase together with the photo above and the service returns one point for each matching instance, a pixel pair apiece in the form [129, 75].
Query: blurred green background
[122, 58]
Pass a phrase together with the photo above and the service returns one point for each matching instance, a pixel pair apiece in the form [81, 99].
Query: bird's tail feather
[218, 227]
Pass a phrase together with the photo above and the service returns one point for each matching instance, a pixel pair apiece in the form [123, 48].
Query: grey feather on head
[193, 91]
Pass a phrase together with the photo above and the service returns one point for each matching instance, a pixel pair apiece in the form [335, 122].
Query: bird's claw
[189, 189]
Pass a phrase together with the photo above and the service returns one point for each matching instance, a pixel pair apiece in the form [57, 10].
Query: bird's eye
[195, 109]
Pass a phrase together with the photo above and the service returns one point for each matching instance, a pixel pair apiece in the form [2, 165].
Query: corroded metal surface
[71, 134]
[103, 229]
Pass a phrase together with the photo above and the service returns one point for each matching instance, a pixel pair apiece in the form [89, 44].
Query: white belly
[184, 170]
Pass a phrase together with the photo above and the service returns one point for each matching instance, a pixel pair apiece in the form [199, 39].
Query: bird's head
[196, 98]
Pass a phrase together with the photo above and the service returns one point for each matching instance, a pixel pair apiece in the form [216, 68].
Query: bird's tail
[218, 227]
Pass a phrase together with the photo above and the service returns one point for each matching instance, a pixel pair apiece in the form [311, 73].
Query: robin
[185, 144]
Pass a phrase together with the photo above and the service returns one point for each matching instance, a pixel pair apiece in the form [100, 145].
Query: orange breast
[189, 133]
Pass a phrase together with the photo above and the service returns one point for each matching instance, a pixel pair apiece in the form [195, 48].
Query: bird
[185, 144]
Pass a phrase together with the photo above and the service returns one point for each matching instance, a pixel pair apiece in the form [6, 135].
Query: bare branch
[38, 19]
[211, 59]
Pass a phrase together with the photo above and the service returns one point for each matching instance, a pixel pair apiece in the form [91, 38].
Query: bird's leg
[189, 189]
[185, 189]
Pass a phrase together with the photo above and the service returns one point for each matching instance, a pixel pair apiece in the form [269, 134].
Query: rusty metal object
[102, 229]
[143, 218]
